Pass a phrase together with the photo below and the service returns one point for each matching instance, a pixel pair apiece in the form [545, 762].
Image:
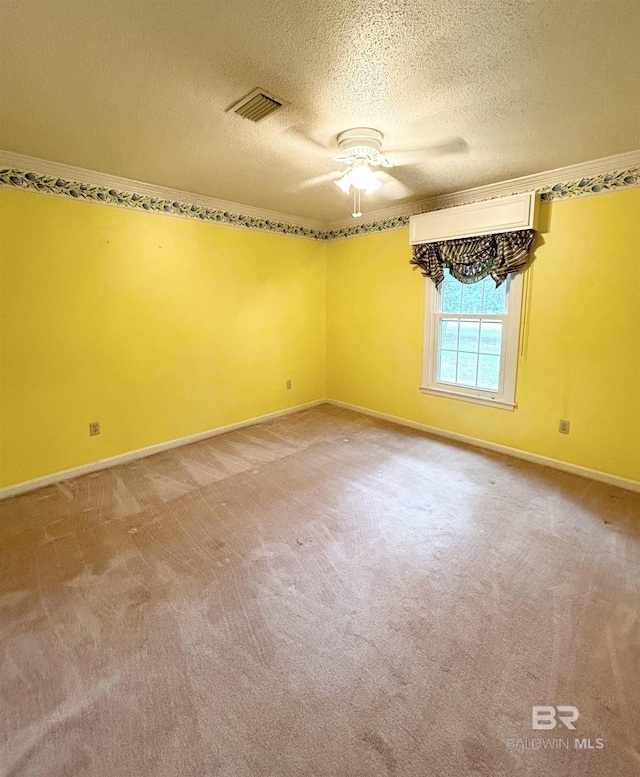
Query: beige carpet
[321, 595]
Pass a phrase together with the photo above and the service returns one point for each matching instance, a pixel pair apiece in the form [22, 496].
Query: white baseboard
[123, 458]
[574, 469]
[140, 453]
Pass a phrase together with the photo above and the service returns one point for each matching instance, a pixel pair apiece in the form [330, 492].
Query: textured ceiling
[488, 89]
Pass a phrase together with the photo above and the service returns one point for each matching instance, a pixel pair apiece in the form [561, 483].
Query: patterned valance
[471, 259]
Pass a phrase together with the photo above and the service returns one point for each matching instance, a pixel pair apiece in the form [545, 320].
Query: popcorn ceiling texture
[139, 90]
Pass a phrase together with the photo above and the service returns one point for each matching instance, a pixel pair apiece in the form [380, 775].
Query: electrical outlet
[563, 426]
[94, 428]
[288, 384]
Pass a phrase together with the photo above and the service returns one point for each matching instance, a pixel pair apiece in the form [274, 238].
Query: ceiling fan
[360, 150]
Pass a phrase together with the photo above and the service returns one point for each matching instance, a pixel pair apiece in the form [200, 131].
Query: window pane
[488, 372]
[469, 334]
[481, 297]
[471, 297]
[490, 336]
[451, 294]
[495, 300]
[470, 350]
[449, 334]
[467, 368]
[447, 366]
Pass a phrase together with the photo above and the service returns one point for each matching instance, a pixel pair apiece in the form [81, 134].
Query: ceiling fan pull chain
[356, 203]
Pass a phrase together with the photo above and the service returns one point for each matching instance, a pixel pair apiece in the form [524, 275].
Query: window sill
[441, 392]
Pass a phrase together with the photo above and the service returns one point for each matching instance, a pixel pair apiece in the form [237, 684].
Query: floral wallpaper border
[383, 225]
[604, 182]
[48, 184]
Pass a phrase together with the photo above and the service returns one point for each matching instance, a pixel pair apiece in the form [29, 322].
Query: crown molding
[566, 179]
[38, 175]
[104, 183]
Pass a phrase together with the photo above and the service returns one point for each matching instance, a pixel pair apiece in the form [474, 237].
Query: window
[471, 340]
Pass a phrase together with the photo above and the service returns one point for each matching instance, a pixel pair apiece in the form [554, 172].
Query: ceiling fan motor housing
[361, 143]
[360, 136]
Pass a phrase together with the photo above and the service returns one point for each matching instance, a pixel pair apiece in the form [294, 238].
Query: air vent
[257, 105]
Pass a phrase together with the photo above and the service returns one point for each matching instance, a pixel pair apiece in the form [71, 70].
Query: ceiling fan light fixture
[361, 174]
[360, 151]
[373, 186]
[344, 183]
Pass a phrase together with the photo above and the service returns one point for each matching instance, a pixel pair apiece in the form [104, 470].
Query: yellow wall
[157, 327]
[162, 327]
[582, 350]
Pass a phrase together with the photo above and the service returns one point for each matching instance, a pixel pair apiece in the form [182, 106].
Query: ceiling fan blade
[445, 147]
[301, 136]
[317, 181]
[392, 187]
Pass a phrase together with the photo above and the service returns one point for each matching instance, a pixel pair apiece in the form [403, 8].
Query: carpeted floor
[324, 594]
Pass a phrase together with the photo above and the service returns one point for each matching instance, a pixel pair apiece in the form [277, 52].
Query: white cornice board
[502, 214]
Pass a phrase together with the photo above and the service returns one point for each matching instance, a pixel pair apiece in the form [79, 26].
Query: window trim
[504, 398]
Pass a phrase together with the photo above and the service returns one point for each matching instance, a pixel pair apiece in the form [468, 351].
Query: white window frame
[504, 398]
